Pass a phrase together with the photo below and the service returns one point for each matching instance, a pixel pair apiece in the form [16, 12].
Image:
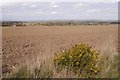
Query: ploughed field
[21, 45]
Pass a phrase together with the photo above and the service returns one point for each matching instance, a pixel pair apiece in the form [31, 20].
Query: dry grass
[109, 59]
[48, 40]
[43, 65]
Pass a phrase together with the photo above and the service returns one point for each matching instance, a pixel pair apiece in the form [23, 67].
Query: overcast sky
[60, 11]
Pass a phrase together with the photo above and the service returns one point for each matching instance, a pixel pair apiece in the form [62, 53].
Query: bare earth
[20, 44]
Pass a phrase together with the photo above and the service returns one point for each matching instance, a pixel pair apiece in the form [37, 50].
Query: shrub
[81, 59]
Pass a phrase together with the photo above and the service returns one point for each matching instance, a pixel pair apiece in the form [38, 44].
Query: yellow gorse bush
[81, 59]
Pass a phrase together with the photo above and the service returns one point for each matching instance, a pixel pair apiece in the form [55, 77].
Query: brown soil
[20, 44]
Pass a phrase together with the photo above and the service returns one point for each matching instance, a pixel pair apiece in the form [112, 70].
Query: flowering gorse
[81, 59]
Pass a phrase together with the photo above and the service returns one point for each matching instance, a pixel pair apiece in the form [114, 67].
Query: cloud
[53, 5]
[38, 12]
[31, 5]
[93, 11]
[26, 4]
[80, 5]
[44, 11]
[54, 12]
